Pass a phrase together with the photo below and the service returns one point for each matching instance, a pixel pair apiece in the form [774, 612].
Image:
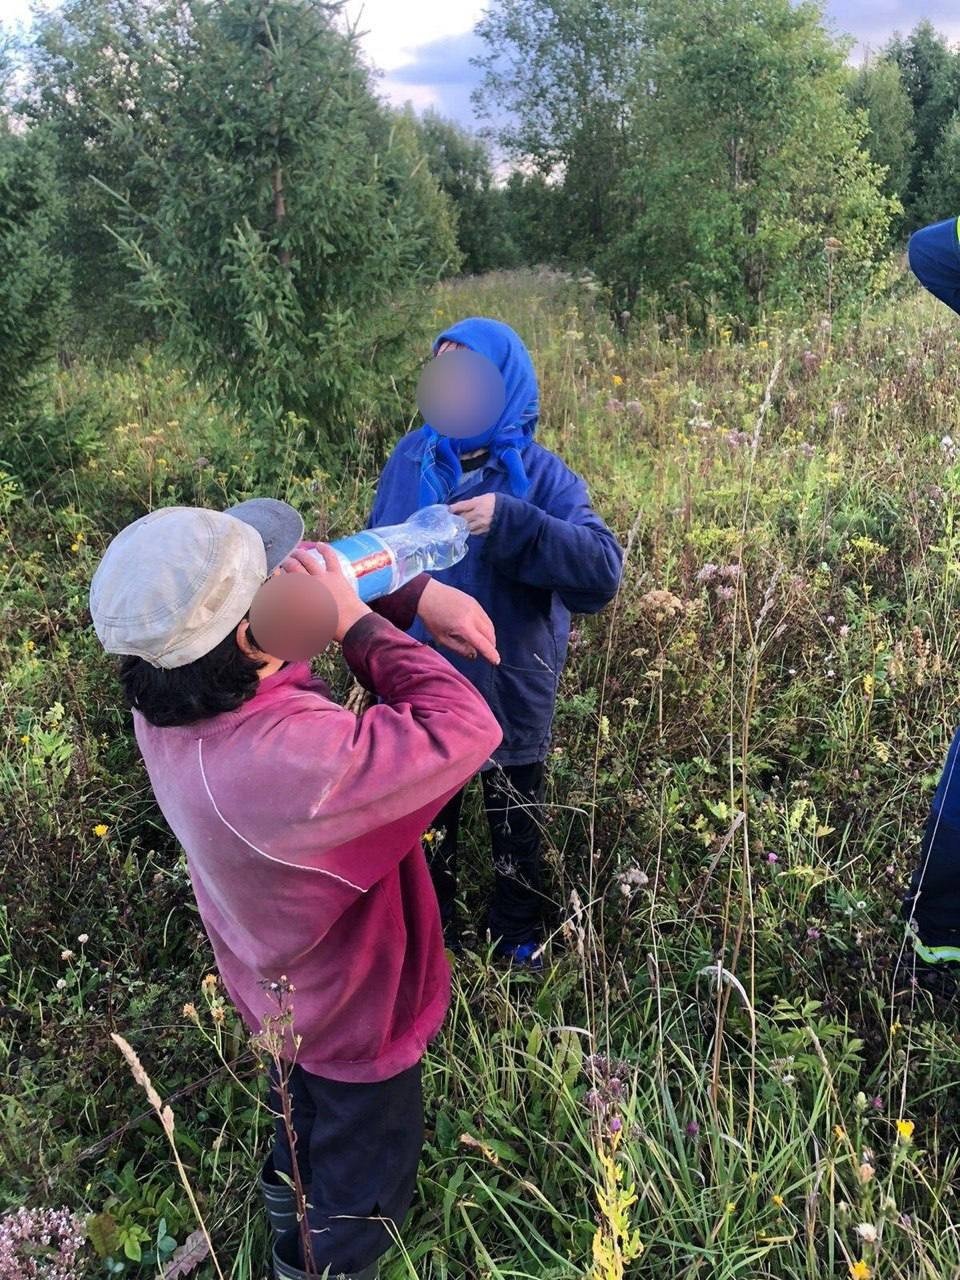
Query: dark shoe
[520, 955]
[288, 1246]
[279, 1199]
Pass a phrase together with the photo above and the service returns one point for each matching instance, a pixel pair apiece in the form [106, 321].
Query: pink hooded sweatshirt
[301, 825]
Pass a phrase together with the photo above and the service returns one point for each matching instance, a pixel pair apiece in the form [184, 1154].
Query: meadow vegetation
[726, 1070]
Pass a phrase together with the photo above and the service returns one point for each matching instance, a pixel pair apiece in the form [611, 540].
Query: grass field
[726, 1071]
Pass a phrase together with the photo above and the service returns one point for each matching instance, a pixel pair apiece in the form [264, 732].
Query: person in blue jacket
[932, 903]
[537, 553]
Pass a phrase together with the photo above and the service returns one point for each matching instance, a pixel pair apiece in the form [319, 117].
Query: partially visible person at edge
[932, 903]
[301, 825]
[538, 553]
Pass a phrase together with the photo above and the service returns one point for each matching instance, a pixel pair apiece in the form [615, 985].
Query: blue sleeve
[383, 487]
[934, 256]
[567, 548]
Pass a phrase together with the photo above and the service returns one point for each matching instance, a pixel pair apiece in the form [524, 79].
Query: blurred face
[461, 392]
[292, 618]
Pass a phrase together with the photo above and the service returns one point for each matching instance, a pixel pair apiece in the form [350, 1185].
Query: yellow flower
[839, 1132]
[778, 1201]
[731, 1206]
[101, 830]
[895, 1029]
[763, 344]
[24, 738]
[30, 646]
[859, 1270]
[74, 546]
[617, 380]
[905, 1130]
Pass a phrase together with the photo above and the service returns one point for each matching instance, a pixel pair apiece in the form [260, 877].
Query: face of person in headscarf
[461, 393]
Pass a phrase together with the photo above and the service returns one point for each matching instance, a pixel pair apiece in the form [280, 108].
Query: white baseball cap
[175, 583]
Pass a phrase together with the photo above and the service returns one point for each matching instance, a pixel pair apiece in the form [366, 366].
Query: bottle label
[372, 563]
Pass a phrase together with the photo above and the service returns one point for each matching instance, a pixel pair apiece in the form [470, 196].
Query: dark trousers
[513, 799]
[358, 1148]
[933, 899]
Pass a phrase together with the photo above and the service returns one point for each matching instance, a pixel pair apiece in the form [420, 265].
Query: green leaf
[102, 1233]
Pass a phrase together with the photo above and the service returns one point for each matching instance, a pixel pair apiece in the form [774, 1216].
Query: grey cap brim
[278, 524]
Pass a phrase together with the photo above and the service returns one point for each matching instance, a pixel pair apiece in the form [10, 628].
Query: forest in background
[222, 178]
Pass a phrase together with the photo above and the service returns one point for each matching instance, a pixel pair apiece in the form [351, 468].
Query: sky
[422, 48]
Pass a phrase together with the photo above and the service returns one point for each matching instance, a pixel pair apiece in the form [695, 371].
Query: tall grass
[727, 1061]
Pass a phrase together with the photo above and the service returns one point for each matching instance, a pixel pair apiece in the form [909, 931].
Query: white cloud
[397, 28]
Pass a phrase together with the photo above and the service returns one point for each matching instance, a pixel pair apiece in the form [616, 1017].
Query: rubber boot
[278, 1198]
[288, 1246]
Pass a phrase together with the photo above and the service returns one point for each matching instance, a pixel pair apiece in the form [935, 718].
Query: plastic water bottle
[379, 561]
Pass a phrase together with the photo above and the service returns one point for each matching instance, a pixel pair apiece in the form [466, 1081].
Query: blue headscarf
[440, 470]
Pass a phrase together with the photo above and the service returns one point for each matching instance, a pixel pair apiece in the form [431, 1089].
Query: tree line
[221, 175]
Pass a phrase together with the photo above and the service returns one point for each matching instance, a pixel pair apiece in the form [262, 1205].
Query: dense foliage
[276, 222]
[32, 275]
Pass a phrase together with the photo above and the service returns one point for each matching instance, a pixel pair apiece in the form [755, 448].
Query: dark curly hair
[221, 680]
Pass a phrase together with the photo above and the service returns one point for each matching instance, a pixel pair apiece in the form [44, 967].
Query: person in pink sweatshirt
[301, 825]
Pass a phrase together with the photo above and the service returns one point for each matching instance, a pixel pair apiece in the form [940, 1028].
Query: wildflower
[792, 671]
[41, 1242]
[731, 1207]
[692, 1129]
[101, 830]
[708, 573]
[772, 857]
[877, 1103]
[66, 955]
[61, 984]
[777, 1201]
[867, 1231]
[616, 1124]
[617, 380]
[83, 938]
[725, 593]
[190, 1011]
[614, 405]
[839, 1132]
[866, 1171]
[24, 738]
[217, 1014]
[74, 546]
[859, 1270]
[209, 982]
[905, 1130]
[813, 934]
[763, 344]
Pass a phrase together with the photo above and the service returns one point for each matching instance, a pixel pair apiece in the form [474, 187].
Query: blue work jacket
[547, 556]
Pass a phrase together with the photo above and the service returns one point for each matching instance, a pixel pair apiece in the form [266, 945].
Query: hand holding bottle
[323, 561]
